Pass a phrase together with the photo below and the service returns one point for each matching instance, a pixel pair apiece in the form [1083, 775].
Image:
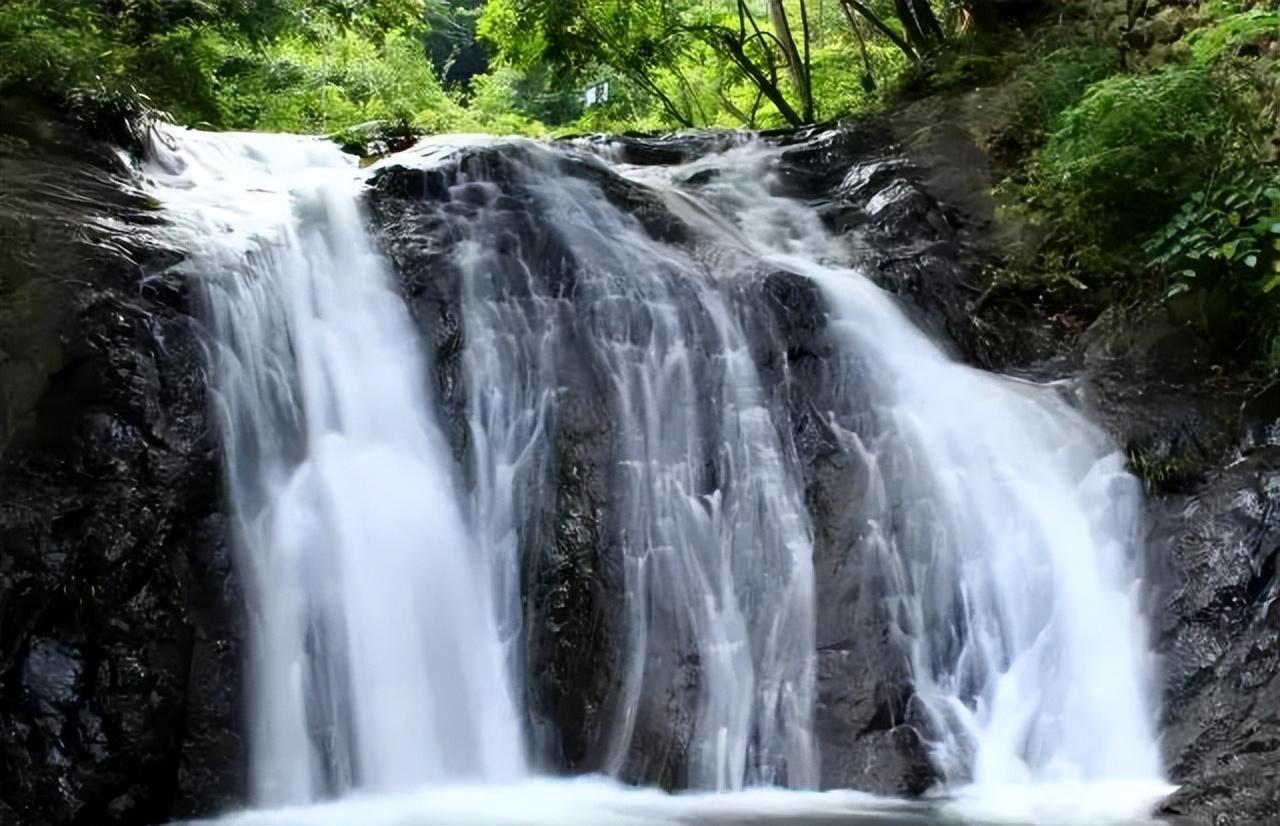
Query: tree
[634, 38]
[452, 43]
[798, 65]
[658, 45]
[649, 41]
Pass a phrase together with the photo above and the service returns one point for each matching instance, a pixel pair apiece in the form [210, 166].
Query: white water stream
[375, 657]
[385, 625]
[1006, 527]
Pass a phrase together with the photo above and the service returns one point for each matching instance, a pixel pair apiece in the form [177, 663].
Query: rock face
[1208, 450]
[119, 620]
[1220, 637]
[572, 586]
[575, 631]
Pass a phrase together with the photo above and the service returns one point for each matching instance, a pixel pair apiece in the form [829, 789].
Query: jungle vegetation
[1138, 136]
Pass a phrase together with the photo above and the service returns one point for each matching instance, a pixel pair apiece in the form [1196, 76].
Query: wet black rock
[658, 150]
[1219, 634]
[119, 621]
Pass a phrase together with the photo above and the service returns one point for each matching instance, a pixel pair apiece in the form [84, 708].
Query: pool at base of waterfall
[602, 802]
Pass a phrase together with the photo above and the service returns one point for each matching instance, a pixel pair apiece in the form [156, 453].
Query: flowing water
[383, 582]
[376, 662]
[712, 525]
[1006, 525]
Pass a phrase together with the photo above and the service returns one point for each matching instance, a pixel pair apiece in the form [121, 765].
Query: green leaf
[1228, 249]
[1251, 261]
[1271, 283]
[1177, 288]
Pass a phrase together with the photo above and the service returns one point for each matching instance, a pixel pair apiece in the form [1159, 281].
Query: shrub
[1055, 82]
[1227, 234]
[53, 46]
[1120, 161]
[271, 64]
[1228, 35]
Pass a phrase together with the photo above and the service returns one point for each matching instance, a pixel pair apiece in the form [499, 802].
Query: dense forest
[1138, 138]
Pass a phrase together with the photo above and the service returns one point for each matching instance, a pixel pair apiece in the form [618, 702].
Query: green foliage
[319, 85]
[841, 88]
[231, 64]
[55, 46]
[1043, 89]
[496, 105]
[1223, 246]
[1226, 235]
[1119, 163]
[325, 65]
[1162, 473]
[1142, 174]
[1223, 37]
[703, 62]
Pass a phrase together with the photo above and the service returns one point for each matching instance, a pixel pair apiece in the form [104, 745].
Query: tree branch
[851, 6]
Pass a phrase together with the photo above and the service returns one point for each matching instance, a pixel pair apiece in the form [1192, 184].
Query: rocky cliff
[119, 620]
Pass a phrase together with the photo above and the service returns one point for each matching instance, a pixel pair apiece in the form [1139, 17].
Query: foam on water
[598, 801]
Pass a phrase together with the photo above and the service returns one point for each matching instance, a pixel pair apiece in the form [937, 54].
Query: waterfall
[1003, 522]
[714, 535]
[387, 560]
[376, 659]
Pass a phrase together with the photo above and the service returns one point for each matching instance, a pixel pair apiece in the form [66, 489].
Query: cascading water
[385, 586]
[1004, 523]
[376, 661]
[712, 526]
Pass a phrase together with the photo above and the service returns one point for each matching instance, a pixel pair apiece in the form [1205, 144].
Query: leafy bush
[1046, 87]
[1119, 162]
[56, 46]
[1229, 34]
[1223, 248]
[496, 103]
[1227, 234]
[841, 87]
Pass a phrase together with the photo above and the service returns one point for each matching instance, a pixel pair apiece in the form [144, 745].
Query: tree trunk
[737, 52]
[927, 21]
[915, 35]
[795, 63]
[924, 32]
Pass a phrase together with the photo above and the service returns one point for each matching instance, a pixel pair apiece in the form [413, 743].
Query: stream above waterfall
[542, 463]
